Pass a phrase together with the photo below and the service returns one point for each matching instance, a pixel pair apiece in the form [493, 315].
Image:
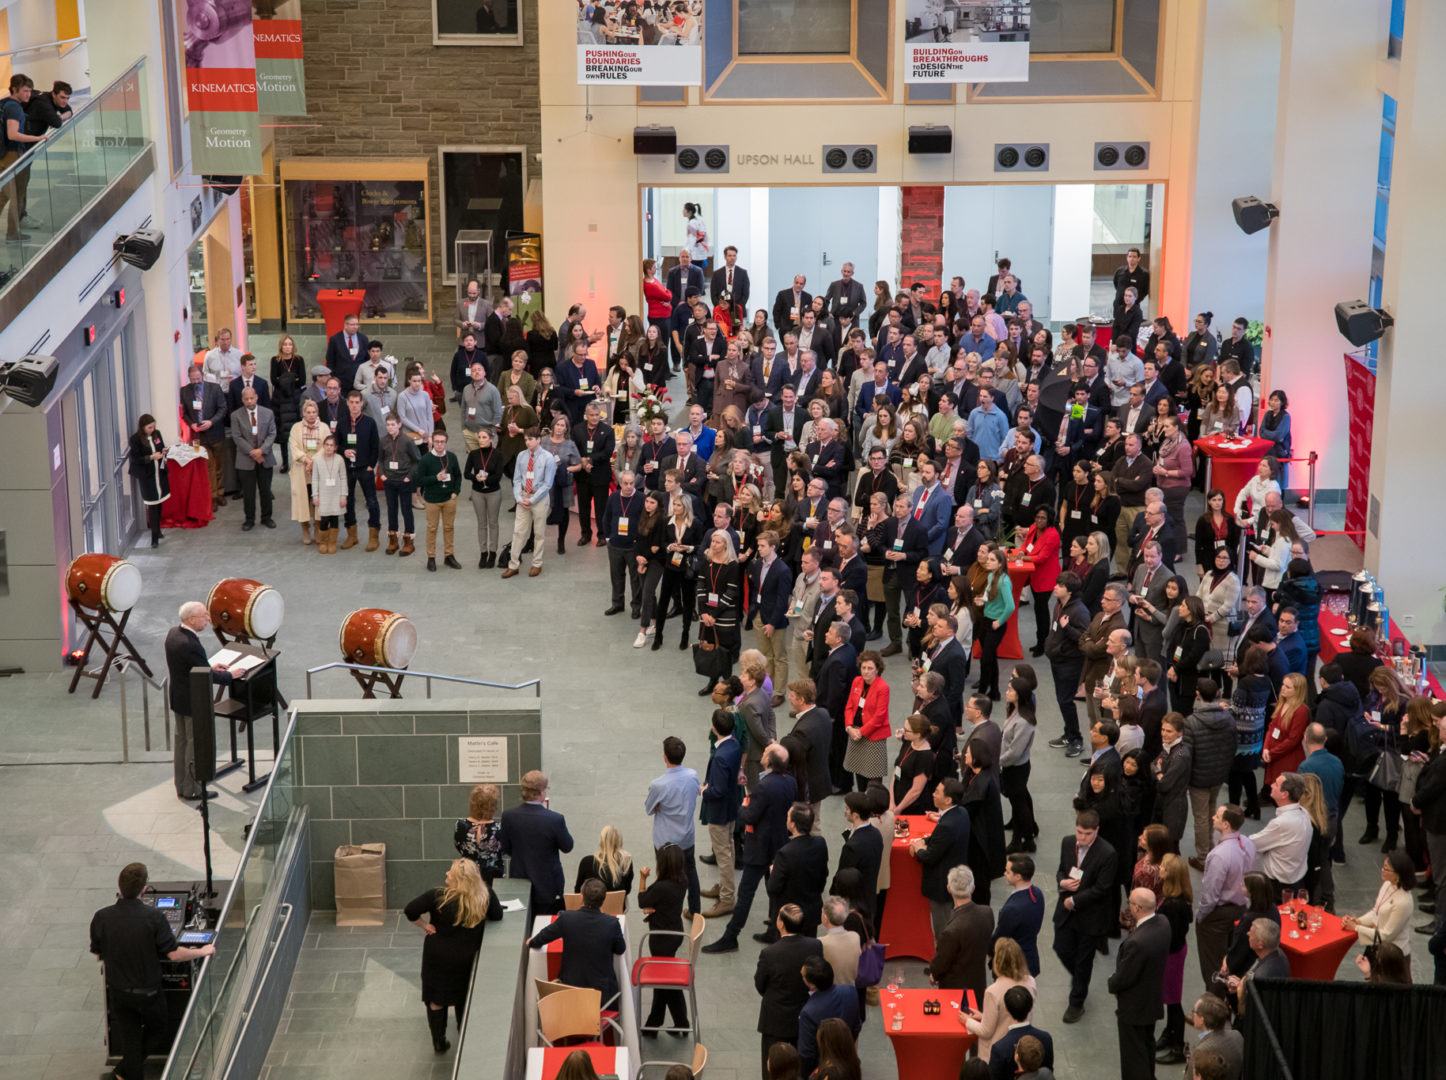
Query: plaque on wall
[481, 759]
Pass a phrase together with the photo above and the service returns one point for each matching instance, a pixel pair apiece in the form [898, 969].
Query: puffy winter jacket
[1210, 734]
[1337, 706]
[1303, 594]
[1431, 794]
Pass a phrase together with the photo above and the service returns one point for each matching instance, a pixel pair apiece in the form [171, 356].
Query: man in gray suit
[204, 407]
[253, 430]
[1147, 599]
[472, 311]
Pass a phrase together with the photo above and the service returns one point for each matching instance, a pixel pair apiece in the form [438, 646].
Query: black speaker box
[1359, 323]
[931, 140]
[655, 140]
[203, 725]
[1251, 214]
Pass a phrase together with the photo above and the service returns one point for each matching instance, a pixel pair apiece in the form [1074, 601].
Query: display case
[358, 225]
[472, 256]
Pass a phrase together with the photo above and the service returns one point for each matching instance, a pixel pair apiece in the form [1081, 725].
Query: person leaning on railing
[15, 142]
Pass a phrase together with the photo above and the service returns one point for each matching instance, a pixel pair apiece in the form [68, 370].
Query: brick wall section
[922, 249]
[377, 87]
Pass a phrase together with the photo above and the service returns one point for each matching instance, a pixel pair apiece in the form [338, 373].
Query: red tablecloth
[1232, 467]
[1315, 956]
[926, 1047]
[189, 506]
[1332, 644]
[604, 1058]
[337, 304]
[1103, 334]
[1010, 648]
[907, 930]
[554, 955]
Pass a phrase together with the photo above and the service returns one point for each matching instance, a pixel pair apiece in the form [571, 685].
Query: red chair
[670, 972]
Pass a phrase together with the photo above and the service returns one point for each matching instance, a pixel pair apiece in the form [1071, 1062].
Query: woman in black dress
[719, 597]
[611, 865]
[288, 383]
[914, 768]
[454, 928]
[662, 904]
[986, 817]
[148, 466]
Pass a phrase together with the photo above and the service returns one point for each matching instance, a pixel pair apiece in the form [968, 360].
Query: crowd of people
[847, 512]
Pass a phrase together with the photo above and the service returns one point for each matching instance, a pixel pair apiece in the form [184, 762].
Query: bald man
[1136, 984]
[184, 651]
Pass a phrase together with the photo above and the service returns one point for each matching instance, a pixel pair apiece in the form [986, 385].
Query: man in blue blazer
[534, 838]
[772, 587]
[1018, 1003]
[826, 1001]
[720, 803]
[590, 940]
[765, 830]
[932, 507]
[1022, 913]
[685, 279]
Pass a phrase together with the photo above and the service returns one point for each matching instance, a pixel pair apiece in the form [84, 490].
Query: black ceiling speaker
[1252, 215]
[655, 140]
[141, 248]
[931, 139]
[850, 158]
[836, 158]
[224, 185]
[715, 157]
[862, 158]
[689, 159]
[1361, 324]
[1008, 158]
[701, 158]
[1035, 157]
[1021, 157]
[1121, 155]
[29, 380]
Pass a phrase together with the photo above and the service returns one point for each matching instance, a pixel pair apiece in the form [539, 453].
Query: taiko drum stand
[368, 681]
[97, 621]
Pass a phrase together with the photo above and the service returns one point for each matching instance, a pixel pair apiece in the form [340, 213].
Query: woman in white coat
[1274, 555]
[1390, 916]
[1010, 970]
[1219, 590]
[304, 446]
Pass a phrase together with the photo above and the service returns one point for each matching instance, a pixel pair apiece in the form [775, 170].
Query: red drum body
[103, 582]
[245, 608]
[378, 638]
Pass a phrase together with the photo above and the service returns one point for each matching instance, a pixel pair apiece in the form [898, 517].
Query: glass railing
[60, 177]
[253, 918]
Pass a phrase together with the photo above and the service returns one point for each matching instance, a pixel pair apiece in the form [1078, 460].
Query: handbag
[1386, 773]
[709, 660]
[1410, 773]
[871, 964]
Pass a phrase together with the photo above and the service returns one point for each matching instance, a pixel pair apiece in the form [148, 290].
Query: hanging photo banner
[966, 41]
[280, 79]
[221, 88]
[619, 43]
[524, 273]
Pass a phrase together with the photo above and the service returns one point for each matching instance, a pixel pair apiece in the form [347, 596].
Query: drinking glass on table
[1286, 896]
[1303, 895]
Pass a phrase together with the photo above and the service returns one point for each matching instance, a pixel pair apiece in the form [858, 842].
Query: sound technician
[132, 938]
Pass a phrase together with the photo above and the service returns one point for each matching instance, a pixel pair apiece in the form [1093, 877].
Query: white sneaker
[650, 631]
[640, 640]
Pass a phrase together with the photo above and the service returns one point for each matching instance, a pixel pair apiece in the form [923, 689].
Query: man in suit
[578, 382]
[1084, 910]
[1171, 770]
[863, 850]
[784, 428]
[1067, 629]
[1079, 433]
[827, 1000]
[942, 850]
[204, 406]
[534, 838]
[691, 469]
[248, 379]
[961, 950]
[1022, 913]
[906, 544]
[1101, 789]
[814, 337]
[853, 574]
[1136, 984]
[790, 304]
[778, 978]
[771, 584]
[815, 727]
[1154, 525]
[846, 297]
[799, 874]
[730, 282]
[472, 311]
[685, 278]
[765, 829]
[1134, 415]
[502, 334]
[931, 507]
[720, 797]
[184, 651]
[950, 662]
[705, 353]
[1147, 600]
[1211, 1016]
[360, 444]
[590, 939]
[821, 619]
[1018, 1003]
[1094, 643]
[835, 677]
[826, 457]
[253, 431]
[346, 350]
[1133, 476]
[1154, 387]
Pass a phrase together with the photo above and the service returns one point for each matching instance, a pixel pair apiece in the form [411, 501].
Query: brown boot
[331, 541]
[306, 532]
[323, 542]
[372, 541]
[392, 543]
[350, 541]
[408, 548]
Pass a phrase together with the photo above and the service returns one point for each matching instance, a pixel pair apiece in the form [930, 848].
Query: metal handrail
[124, 667]
[43, 46]
[250, 1009]
[426, 676]
[225, 982]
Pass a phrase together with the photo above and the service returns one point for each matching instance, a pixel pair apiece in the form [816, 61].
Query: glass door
[109, 503]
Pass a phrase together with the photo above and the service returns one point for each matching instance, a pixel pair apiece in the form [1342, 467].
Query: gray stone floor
[66, 828]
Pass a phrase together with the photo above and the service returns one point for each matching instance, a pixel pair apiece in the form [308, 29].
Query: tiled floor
[66, 829]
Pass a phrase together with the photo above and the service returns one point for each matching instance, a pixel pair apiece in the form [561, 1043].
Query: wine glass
[1303, 895]
[1286, 896]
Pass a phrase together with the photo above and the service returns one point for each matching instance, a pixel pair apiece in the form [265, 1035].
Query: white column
[1327, 136]
[1073, 246]
[1237, 116]
[761, 287]
[891, 236]
[1404, 549]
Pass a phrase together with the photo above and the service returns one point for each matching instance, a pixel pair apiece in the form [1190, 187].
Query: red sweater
[660, 300]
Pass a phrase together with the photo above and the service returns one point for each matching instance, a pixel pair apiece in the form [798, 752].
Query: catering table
[907, 930]
[1335, 639]
[544, 1063]
[337, 304]
[189, 506]
[1311, 955]
[926, 1047]
[1020, 571]
[546, 963]
[1103, 333]
[1233, 462]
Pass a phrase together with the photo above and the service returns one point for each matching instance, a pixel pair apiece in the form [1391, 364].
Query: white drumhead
[400, 643]
[267, 611]
[122, 586]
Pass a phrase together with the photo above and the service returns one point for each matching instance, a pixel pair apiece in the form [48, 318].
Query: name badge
[1026, 498]
[310, 444]
[757, 431]
[898, 773]
[331, 424]
[622, 526]
[482, 477]
[254, 429]
[444, 477]
[815, 461]
[393, 465]
[677, 559]
[1095, 518]
[1179, 652]
[589, 446]
[331, 481]
[1075, 873]
[1275, 733]
[196, 404]
[709, 373]
[916, 611]
[863, 700]
[899, 545]
[1054, 625]
[648, 367]
[1075, 515]
[827, 544]
[909, 463]
[529, 474]
[582, 384]
[978, 504]
[386, 409]
[712, 599]
[927, 663]
[472, 411]
[1028, 549]
[1219, 544]
[350, 439]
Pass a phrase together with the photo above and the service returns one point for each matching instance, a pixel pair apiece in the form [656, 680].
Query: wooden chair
[671, 972]
[700, 1060]
[614, 903]
[569, 1013]
[545, 988]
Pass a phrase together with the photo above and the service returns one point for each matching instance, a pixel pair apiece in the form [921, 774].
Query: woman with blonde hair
[456, 920]
[1010, 970]
[304, 443]
[610, 864]
[1176, 907]
[1282, 751]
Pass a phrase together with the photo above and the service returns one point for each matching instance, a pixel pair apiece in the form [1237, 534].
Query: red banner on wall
[1361, 408]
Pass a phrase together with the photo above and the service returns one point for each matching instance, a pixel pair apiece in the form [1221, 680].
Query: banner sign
[280, 80]
[1361, 410]
[221, 89]
[966, 41]
[619, 44]
[524, 274]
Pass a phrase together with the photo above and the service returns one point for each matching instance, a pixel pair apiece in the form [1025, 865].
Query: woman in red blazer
[1282, 752]
[1041, 546]
[866, 721]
